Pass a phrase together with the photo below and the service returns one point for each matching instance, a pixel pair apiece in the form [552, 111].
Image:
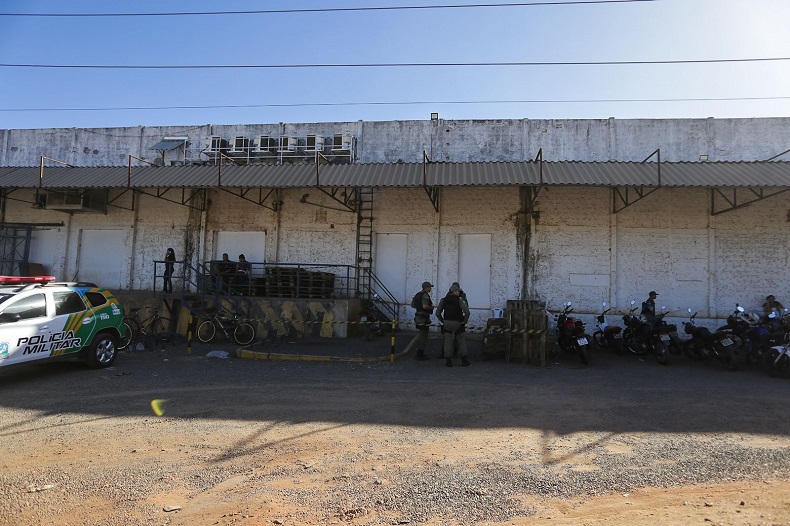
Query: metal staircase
[369, 288]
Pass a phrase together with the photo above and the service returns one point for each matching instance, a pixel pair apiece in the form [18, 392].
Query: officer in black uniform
[453, 313]
[422, 319]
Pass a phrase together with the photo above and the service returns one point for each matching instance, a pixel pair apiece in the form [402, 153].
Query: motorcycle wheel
[599, 340]
[662, 353]
[693, 351]
[730, 359]
[635, 345]
[564, 344]
[583, 354]
[774, 368]
[784, 366]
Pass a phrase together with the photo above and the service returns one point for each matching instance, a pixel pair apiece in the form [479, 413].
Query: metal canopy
[733, 184]
[170, 144]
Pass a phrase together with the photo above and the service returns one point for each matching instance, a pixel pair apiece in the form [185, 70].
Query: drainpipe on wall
[133, 258]
[524, 231]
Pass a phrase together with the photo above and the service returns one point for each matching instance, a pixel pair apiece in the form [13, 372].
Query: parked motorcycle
[752, 332]
[570, 334]
[705, 345]
[776, 361]
[643, 337]
[608, 336]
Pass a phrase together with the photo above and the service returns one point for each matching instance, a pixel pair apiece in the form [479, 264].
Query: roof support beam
[191, 198]
[623, 197]
[349, 195]
[728, 199]
[731, 198]
[248, 194]
[432, 191]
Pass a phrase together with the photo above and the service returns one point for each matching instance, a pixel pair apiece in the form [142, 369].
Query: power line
[327, 10]
[397, 64]
[396, 103]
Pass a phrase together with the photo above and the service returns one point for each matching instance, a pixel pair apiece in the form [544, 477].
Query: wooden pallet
[527, 323]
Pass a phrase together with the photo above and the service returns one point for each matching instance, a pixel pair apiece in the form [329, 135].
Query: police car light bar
[5, 280]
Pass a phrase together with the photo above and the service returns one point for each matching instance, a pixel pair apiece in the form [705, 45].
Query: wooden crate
[528, 323]
[495, 339]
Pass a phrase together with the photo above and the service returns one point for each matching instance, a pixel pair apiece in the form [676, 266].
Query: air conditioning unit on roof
[315, 143]
[216, 144]
[240, 145]
[92, 200]
[265, 145]
[342, 142]
[288, 144]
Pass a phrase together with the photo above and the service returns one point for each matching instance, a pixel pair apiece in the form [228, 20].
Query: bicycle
[139, 331]
[233, 328]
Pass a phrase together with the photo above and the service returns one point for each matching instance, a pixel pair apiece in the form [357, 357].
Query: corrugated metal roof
[764, 174]
[65, 177]
[302, 175]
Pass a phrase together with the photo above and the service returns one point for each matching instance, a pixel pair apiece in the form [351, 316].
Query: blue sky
[662, 30]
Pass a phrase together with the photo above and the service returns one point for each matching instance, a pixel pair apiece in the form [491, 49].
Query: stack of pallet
[281, 282]
[292, 282]
[316, 285]
[528, 325]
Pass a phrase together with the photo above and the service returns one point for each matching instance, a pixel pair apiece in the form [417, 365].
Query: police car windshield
[4, 297]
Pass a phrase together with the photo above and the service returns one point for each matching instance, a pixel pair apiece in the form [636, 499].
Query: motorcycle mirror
[568, 304]
[632, 302]
[689, 309]
[739, 308]
[604, 304]
[772, 315]
[663, 307]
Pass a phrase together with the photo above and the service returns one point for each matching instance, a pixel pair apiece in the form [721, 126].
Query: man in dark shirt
[649, 306]
[453, 313]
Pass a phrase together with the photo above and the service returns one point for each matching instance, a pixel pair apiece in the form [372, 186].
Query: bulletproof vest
[452, 308]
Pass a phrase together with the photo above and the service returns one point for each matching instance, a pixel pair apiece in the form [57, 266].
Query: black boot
[449, 362]
[465, 361]
[421, 355]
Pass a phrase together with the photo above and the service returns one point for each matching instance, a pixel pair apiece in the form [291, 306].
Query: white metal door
[42, 249]
[474, 269]
[101, 258]
[390, 265]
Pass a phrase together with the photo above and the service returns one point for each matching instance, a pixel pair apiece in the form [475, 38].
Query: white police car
[42, 320]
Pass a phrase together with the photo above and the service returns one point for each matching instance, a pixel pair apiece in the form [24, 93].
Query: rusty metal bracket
[727, 199]
[197, 196]
[260, 200]
[732, 198]
[623, 198]
[346, 196]
[432, 191]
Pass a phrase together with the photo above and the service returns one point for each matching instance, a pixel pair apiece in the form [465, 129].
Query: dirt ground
[242, 442]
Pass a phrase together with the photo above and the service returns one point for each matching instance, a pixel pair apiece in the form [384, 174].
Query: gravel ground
[276, 442]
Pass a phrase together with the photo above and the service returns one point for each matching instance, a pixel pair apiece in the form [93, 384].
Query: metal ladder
[365, 241]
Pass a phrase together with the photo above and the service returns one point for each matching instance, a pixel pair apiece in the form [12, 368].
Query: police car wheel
[102, 351]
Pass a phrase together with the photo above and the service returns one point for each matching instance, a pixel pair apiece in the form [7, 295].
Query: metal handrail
[347, 283]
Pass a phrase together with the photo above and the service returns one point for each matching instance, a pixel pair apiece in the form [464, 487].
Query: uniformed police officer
[422, 319]
[453, 313]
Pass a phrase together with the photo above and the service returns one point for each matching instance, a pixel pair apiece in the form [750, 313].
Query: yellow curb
[254, 355]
